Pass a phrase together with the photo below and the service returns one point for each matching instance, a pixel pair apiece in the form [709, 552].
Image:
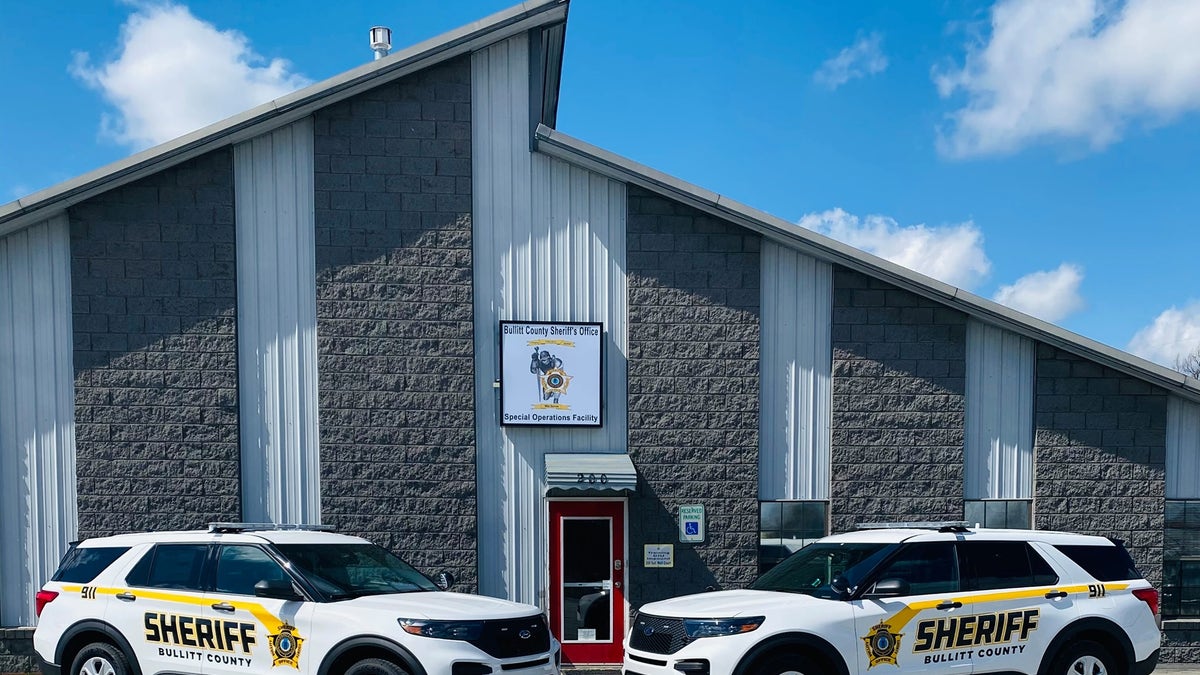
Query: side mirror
[444, 580]
[278, 589]
[840, 586]
[889, 588]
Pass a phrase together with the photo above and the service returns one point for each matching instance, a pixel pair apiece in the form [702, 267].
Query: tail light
[1150, 597]
[44, 598]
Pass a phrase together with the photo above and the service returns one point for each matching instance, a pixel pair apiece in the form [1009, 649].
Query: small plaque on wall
[551, 373]
[658, 555]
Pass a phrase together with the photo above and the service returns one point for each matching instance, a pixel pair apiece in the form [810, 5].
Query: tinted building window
[1014, 514]
[81, 565]
[1181, 559]
[1004, 564]
[786, 527]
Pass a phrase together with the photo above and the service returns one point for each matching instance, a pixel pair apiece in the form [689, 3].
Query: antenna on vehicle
[381, 41]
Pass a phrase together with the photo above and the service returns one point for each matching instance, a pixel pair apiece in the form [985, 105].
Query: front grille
[504, 638]
[658, 635]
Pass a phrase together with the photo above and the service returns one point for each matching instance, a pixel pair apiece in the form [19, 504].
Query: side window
[81, 565]
[928, 568]
[170, 566]
[239, 568]
[1004, 564]
[1105, 563]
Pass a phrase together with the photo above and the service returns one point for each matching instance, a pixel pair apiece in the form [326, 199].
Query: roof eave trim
[282, 111]
[567, 148]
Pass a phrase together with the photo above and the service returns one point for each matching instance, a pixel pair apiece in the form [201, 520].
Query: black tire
[1084, 658]
[375, 667]
[100, 658]
[787, 663]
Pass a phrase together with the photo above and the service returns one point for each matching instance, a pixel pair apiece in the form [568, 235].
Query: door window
[926, 568]
[1004, 564]
[239, 568]
[175, 566]
[587, 583]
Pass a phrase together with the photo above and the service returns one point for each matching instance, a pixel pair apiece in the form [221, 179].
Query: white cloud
[175, 73]
[1174, 334]
[953, 254]
[1051, 296]
[1073, 70]
[864, 57]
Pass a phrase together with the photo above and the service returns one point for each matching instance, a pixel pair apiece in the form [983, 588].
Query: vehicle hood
[440, 605]
[727, 604]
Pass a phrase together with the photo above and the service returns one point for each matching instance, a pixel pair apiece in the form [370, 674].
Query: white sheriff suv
[916, 599]
[248, 599]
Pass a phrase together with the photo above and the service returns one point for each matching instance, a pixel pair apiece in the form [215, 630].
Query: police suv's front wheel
[375, 667]
[786, 663]
[1084, 658]
[100, 658]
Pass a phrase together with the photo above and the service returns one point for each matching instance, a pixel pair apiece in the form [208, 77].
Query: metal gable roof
[287, 109]
[579, 153]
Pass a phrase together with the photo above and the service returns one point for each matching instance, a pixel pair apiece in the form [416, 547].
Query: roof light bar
[259, 527]
[939, 525]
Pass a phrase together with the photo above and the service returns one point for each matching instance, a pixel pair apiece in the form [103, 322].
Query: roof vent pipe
[381, 41]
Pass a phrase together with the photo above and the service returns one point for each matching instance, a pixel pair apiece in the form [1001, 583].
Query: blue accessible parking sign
[691, 523]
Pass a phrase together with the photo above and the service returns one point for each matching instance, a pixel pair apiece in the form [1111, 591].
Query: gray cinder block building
[401, 303]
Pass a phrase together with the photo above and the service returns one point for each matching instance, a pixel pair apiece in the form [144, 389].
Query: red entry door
[587, 579]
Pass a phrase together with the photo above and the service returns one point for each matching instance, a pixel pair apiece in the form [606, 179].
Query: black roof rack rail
[232, 528]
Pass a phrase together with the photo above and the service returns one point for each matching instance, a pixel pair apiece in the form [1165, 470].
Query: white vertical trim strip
[796, 370]
[38, 504]
[277, 326]
[999, 416]
[1183, 449]
[549, 245]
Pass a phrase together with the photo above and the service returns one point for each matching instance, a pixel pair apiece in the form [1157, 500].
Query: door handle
[126, 596]
[1054, 595]
[223, 607]
[949, 605]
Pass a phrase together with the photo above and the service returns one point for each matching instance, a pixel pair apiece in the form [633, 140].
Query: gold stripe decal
[958, 636]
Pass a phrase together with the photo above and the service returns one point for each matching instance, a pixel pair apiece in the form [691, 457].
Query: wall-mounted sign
[691, 523]
[550, 373]
[658, 555]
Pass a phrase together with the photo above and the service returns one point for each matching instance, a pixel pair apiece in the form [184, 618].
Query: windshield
[812, 569]
[353, 570]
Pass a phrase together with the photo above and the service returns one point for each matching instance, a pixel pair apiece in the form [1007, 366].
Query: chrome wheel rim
[1087, 665]
[97, 666]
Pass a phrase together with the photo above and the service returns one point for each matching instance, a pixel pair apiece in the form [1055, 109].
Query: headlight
[445, 630]
[702, 628]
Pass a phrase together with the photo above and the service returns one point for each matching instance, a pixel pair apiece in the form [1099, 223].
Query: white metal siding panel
[796, 368]
[277, 326]
[1183, 449]
[549, 245]
[999, 442]
[38, 505]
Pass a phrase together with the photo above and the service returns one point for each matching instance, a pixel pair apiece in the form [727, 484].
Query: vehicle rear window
[81, 565]
[1105, 563]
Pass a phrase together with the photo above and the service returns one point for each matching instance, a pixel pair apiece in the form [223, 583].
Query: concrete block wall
[1100, 452]
[154, 299]
[16, 651]
[694, 337]
[899, 381]
[394, 318]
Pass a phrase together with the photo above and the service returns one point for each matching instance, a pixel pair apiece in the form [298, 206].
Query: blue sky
[1046, 155]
